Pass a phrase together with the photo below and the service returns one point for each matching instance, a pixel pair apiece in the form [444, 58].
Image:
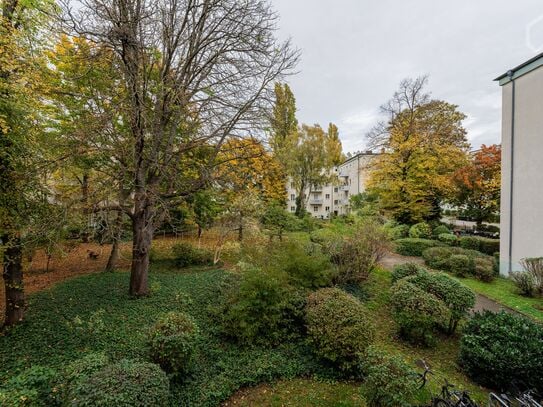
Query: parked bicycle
[453, 398]
[524, 399]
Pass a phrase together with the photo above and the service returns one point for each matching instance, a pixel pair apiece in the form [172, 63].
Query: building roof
[521, 70]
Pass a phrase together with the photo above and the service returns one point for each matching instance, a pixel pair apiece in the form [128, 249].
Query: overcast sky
[355, 52]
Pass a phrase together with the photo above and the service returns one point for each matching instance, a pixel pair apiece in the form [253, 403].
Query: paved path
[481, 302]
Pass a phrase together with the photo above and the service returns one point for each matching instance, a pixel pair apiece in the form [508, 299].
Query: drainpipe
[510, 74]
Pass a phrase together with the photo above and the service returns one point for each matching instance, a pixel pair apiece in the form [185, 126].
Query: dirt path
[482, 303]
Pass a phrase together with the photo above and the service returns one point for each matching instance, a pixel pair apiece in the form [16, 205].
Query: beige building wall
[521, 229]
[334, 199]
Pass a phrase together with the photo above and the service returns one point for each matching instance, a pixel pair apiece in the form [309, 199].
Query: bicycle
[453, 398]
[524, 399]
[422, 378]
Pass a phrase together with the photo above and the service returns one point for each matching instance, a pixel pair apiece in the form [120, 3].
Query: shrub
[441, 230]
[534, 266]
[338, 326]
[260, 307]
[186, 255]
[458, 298]
[404, 270]
[36, 386]
[525, 282]
[439, 258]
[484, 269]
[498, 349]
[398, 232]
[469, 242]
[460, 265]
[414, 247]
[420, 231]
[172, 342]
[447, 238]
[80, 370]
[305, 265]
[416, 312]
[358, 253]
[125, 383]
[390, 382]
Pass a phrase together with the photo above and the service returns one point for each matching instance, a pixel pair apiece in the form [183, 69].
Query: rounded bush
[497, 350]
[459, 264]
[437, 257]
[186, 255]
[442, 230]
[398, 232]
[416, 312]
[420, 231]
[389, 381]
[338, 326]
[172, 341]
[469, 242]
[484, 269]
[127, 383]
[405, 270]
[447, 238]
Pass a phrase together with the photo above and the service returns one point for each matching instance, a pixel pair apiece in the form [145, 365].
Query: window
[292, 197]
[327, 209]
[292, 184]
[335, 202]
[335, 189]
[315, 208]
[327, 196]
[293, 209]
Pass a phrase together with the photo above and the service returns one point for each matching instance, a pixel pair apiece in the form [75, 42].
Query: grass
[504, 291]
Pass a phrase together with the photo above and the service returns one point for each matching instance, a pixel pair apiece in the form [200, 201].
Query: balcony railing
[316, 201]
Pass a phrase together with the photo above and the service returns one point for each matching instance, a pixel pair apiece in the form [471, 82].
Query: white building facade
[521, 217]
[324, 201]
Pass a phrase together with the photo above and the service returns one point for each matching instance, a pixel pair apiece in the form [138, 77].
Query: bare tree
[195, 72]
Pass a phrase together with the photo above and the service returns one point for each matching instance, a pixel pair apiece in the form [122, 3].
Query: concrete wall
[527, 211]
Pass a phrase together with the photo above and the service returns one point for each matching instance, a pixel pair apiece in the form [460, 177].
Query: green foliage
[398, 232]
[482, 244]
[484, 269]
[260, 307]
[405, 270]
[459, 265]
[172, 342]
[338, 326]
[277, 220]
[458, 298]
[447, 238]
[186, 255]
[420, 231]
[416, 312]
[500, 349]
[525, 282]
[389, 381]
[414, 247]
[36, 387]
[440, 230]
[125, 383]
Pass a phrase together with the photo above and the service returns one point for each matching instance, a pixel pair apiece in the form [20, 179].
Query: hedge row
[414, 246]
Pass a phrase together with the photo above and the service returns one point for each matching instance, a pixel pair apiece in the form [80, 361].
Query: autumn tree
[195, 73]
[312, 154]
[478, 184]
[425, 143]
[283, 122]
[22, 138]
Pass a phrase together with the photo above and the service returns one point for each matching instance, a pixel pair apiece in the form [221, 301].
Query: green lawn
[504, 291]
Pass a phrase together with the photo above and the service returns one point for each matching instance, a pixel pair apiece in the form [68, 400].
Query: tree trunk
[142, 229]
[114, 254]
[13, 280]
[85, 202]
[240, 230]
[300, 202]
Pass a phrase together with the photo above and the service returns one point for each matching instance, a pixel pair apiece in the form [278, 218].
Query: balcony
[344, 187]
[316, 201]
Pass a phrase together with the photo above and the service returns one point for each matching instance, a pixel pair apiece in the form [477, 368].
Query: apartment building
[521, 218]
[323, 201]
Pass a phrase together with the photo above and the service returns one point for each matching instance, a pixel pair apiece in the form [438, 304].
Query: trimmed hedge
[497, 350]
[447, 238]
[420, 231]
[441, 230]
[405, 270]
[482, 244]
[338, 326]
[415, 247]
[460, 261]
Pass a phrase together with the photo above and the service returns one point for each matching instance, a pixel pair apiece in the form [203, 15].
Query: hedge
[482, 244]
[415, 247]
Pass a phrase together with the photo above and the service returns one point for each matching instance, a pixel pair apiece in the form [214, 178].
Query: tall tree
[478, 184]
[424, 144]
[195, 72]
[283, 121]
[311, 155]
[21, 133]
